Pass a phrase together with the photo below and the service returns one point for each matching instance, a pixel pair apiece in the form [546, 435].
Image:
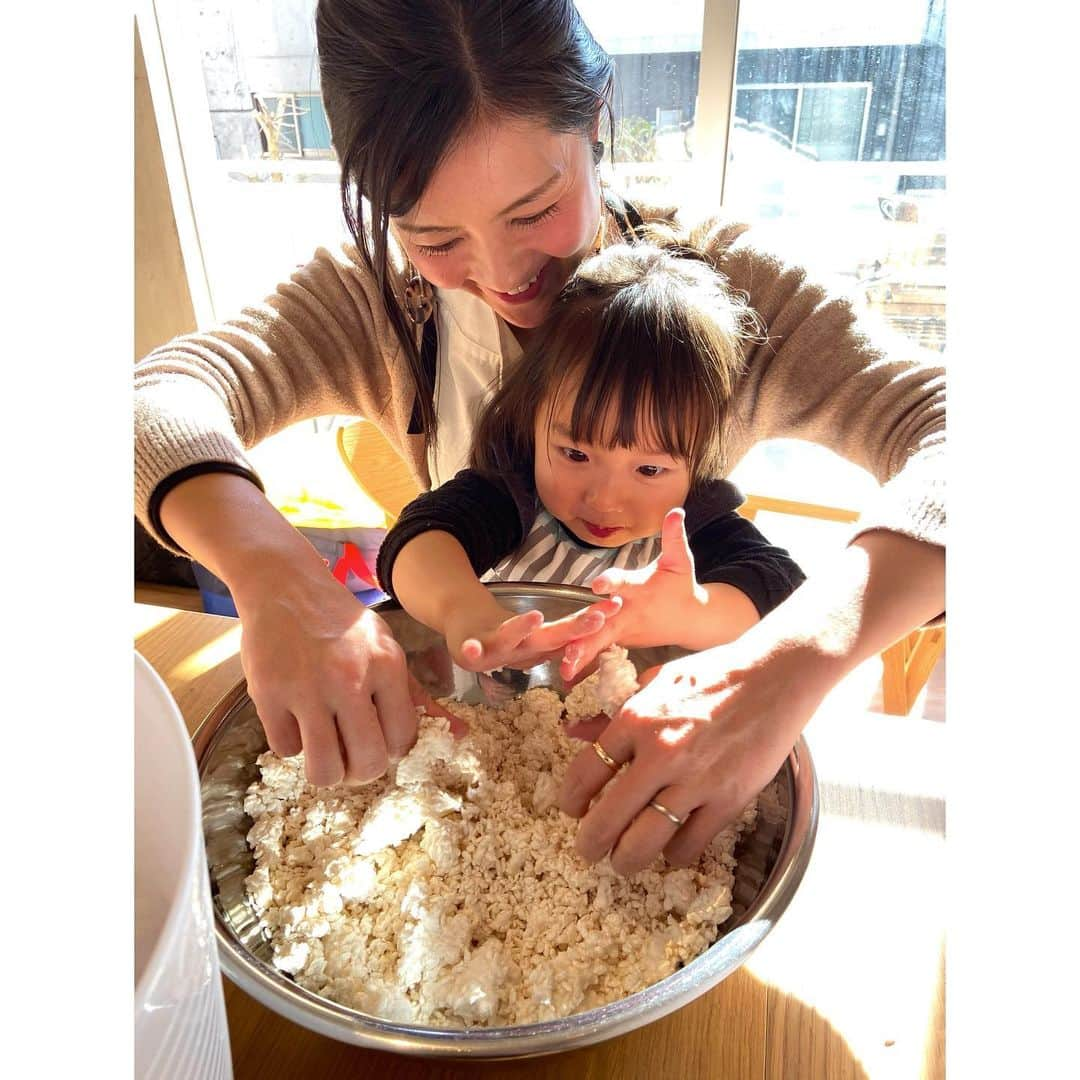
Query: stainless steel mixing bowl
[772, 861]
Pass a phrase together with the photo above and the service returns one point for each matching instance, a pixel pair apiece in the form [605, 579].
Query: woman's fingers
[324, 764]
[687, 844]
[395, 713]
[282, 731]
[648, 675]
[588, 772]
[590, 729]
[652, 830]
[619, 802]
[362, 739]
[420, 697]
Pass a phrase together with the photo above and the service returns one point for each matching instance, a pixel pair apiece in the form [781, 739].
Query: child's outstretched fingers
[554, 636]
[472, 650]
[675, 554]
[580, 654]
[611, 581]
[499, 646]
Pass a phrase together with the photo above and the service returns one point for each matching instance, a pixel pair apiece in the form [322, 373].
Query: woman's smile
[527, 291]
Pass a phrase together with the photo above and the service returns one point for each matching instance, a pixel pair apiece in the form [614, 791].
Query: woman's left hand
[702, 737]
[707, 732]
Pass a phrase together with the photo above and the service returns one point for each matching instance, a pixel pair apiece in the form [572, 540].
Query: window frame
[800, 88]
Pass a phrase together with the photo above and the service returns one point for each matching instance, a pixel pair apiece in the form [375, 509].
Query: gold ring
[605, 757]
[674, 818]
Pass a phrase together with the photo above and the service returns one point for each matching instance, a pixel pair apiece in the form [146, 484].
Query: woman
[471, 130]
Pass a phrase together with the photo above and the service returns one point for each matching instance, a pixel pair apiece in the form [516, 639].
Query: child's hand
[495, 638]
[657, 600]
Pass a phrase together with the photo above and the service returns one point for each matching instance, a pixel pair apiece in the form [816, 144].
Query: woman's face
[507, 216]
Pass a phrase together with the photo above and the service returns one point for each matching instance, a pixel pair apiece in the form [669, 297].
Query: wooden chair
[907, 664]
[379, 470]
[376, 466]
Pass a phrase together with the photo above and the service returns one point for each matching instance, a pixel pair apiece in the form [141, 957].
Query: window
[827, 119]
[839, 131]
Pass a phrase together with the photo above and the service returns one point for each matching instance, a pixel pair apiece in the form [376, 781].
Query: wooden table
[850, 983]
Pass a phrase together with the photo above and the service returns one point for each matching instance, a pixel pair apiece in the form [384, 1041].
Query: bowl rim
[738, 940]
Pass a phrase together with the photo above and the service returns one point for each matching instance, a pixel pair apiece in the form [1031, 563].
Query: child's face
[604, 497]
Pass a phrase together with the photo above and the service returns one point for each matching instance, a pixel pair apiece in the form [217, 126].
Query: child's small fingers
[575, 656]
[611, 581]
[609, 606]
[518, 627]
[581, 670]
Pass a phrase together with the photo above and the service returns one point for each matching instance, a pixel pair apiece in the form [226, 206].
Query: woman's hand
[702, 737]
[327, 676]
[490, 637]
[324, 672]
[708, 731]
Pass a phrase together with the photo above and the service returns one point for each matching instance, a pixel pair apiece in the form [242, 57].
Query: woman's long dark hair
[650, 339]
[403, 82]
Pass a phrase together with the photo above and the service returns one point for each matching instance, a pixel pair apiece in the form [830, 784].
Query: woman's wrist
[877, 590]
[229, 526]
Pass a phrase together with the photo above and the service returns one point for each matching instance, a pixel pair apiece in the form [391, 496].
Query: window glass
[657, 66]
[839, 133]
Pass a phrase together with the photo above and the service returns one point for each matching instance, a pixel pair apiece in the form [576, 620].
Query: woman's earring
[597, 152]
[419, 303]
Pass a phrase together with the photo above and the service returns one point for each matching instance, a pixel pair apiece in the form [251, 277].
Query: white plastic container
[180, 1025]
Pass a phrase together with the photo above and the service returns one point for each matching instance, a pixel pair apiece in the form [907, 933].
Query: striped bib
[550, 553]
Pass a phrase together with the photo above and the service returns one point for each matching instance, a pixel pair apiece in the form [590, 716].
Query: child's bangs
[641, 387]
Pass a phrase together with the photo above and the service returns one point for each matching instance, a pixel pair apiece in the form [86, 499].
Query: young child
[598, 462]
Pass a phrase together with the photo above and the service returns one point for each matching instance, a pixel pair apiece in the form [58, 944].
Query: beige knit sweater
[322, 345]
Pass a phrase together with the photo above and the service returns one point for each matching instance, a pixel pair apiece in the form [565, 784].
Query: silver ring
[673, 818]
[605, 757]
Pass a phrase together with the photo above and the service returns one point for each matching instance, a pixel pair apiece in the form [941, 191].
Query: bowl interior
[231, 738]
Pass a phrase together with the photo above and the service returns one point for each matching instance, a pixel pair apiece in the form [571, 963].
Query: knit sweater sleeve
[827, 373]
[480, 513]
[321, 344]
